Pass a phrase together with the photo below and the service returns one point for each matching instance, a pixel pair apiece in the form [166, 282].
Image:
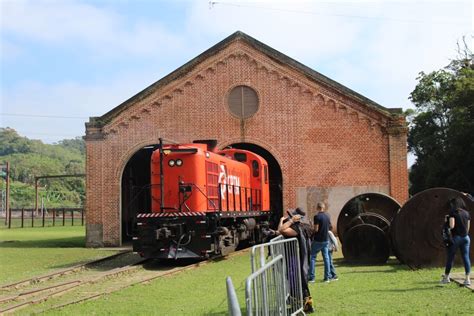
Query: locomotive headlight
[171, 163]
[179, 162]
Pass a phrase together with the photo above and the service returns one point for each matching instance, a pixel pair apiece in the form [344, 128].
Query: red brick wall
[320, 137]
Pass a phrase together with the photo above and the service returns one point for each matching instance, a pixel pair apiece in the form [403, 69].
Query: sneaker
[334, 278]
[312, 281]
[308, 305]
[467, 282]
[445, 279]
[326, 280]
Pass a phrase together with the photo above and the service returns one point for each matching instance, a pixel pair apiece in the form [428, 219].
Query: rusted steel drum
[366, 244]
[370, 218]
[374, 203]
[416, 230]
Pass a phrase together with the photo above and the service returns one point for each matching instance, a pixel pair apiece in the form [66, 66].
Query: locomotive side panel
[258, 167]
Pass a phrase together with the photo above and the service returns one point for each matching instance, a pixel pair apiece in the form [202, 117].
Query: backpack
[447, 235]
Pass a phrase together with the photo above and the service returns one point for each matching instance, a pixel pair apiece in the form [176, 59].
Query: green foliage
[30, 158]
[442, 127]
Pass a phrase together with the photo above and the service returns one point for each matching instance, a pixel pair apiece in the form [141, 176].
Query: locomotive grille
[212, 172]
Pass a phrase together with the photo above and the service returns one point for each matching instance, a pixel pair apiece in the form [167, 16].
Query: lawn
[26, 252]
[387, 289]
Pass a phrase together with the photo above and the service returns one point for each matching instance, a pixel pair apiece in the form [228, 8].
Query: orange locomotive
[204, 203]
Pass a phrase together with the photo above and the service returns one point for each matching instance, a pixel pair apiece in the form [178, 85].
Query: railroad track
[86, 283]
[59, 273]
[14, 296]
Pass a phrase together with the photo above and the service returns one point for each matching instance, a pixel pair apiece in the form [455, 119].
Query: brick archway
[275, 176]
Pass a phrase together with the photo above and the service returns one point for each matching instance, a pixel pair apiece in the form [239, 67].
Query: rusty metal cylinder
[363, 227]
[366, 244]
[416, 229]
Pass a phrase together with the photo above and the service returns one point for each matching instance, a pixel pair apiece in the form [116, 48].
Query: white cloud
[299, 35]
[102, 31]
[376, 48]
[66, 99]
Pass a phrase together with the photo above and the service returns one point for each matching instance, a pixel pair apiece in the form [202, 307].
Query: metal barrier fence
[265, 289]
[274, 287]
[52, 217]
[289, 250]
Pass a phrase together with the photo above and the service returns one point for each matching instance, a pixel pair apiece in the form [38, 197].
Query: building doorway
[275, 179]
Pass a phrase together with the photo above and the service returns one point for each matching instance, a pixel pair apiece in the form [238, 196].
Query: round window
[243, 102]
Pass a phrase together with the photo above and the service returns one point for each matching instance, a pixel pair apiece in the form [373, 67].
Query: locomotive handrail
[254, 197]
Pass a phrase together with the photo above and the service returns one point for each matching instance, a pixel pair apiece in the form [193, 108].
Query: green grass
[200, 291]
[388, 289]
[26, 252]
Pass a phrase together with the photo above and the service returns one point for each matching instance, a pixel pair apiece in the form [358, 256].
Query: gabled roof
[259, 46]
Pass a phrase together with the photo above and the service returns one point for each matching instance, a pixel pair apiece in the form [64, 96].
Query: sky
[62, 62]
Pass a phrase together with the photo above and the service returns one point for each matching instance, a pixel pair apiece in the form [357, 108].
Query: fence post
[54, 217]
[232, 301]
[82, 217]
[32, 218]
[72, 217]
[22, 216]
[64, 217]
[44, 214]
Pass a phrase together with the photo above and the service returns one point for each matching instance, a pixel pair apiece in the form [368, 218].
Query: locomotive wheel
[416, 230]
[366, 244]
[373, 203]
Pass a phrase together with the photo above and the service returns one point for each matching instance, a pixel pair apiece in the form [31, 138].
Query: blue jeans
[316, 247]
[463, 244]
[332, 269]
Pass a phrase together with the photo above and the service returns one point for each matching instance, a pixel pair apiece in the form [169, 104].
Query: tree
[442, 127]
[29, 158]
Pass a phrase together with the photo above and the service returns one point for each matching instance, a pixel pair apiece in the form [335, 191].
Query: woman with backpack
[459, 223]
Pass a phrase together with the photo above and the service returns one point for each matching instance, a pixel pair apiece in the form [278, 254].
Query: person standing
[459, 223]
[291, 226]
[333, 246]
[320, 242]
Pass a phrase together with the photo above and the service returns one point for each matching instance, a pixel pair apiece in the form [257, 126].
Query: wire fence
[29, 217]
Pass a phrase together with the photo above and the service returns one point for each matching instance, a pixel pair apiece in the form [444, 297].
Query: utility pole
[6, 173]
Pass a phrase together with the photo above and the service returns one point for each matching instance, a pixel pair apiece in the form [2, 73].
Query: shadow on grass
[72, 242]
[416, 289]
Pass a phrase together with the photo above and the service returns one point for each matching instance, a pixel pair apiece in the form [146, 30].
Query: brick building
[323, 141]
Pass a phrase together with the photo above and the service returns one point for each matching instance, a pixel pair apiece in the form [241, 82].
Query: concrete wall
[334, 197]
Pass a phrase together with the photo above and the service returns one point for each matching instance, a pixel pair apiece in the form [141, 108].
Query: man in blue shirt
[320, 242]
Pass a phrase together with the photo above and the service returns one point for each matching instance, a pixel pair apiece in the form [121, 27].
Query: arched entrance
[135, 190]
[275, 178]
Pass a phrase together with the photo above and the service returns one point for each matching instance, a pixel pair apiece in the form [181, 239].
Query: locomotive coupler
[163, 233]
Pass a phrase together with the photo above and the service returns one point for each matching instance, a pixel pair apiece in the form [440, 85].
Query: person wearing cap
[291, 226]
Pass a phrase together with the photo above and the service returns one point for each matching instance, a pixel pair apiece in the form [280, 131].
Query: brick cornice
[245, 45]
[320, 95]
